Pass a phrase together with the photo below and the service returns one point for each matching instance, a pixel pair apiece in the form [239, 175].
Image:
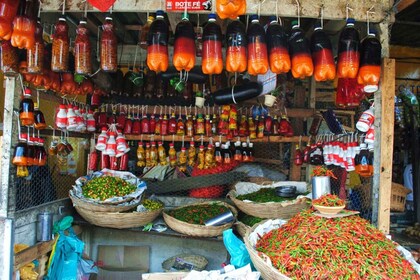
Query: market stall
[197, 101]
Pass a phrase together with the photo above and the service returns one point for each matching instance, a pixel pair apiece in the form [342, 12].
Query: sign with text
[192, 5]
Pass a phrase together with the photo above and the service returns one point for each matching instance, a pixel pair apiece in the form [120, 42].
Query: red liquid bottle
[184, 45]
[278, 53]
[82, 50]
[236, 45]
[212, 58]
[8, 11]
[257, 48]
[157, 44]
[348, 51]
[109, 45]
[60, 47]
[370, 63]
[302, 65]
[35, 55]
[324, 66]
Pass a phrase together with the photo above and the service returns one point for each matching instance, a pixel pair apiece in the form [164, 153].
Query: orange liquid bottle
[322, 56]
[348, 51]
[8, 10]
[230, 8]
[184, 45]
[370, 63]
[302, 65]
[23, 36]
[212, 58]
[109, 46]
[157, 44]
[257, 48]
[236, 59]
[278, 53]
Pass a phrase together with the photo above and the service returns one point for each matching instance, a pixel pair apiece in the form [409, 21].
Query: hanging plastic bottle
[349, 93]
[184, 45]
[35, 55]
[82, 50]
[182, 160]
[200, 129]
[26, 111]
[260, 127]
[141, 157]
[180, 126]
[164, 126]
[109, 45]
[251, 152]
[39, 118]
[153, 154]
[20, 155]
[145, 31]
[60, 47]
[348, 51]
[162, 154]
[370, 62]
[145, 125]
[278, 52]
[172, 155]
[366, 120]
[23, 36]
[236, 47]
[257, 48]
[147, 155]
[302, 65]
[212, 58]
[322, 55]
[191, 154]
[172, 124]
[61, 117]
[298, 156]
[230, 8]
[157, 49]
[189, 126]
[8, 11]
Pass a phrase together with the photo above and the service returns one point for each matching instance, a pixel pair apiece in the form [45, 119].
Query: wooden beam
[308, 8]
[403, 4]
[385, 138]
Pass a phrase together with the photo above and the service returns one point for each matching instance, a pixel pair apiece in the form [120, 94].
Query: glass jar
[20, 155]
[35, 55]
[26, 112]
[60, 47]
[8, 10]
[82, 50]
[39, 118]
[9, 59]
[109, 45]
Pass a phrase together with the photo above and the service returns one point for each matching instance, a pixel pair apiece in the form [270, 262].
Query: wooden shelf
[197, 138]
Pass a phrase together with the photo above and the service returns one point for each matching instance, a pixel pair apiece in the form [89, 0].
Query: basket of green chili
[265, 203]
[190, 219]
[311, 247]
[152, 209]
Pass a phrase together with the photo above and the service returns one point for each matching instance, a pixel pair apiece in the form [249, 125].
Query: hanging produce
[348, 51]
[257, 48]
[184, 45]
[68, 85]
[60, 47]
[300, 53]
[82, 50]
[23, 36]
[278, 52]
[324, 66]
[8, 11]
[230, 8]
[157, 44]
[236, 47]
[370, 63]
[109, 46]
[35, 55]
[212, 58]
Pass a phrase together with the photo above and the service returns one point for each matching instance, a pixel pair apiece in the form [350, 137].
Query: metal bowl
[286, 191]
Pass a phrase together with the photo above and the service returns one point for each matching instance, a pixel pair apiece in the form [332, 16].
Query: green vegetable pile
[152, 205]
[264, 195]
[249, 220]
[107, 186]
[197, 214]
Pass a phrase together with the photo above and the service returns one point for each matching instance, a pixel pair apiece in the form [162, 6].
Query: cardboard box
[122, 262]
[164, 276]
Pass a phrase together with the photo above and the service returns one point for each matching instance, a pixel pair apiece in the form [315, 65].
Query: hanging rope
[298, 12]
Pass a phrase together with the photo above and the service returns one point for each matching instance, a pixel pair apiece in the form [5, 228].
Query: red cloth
[102, 5]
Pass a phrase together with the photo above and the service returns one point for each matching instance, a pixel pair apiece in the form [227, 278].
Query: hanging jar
[20, 155]
[82, 50]
[109, 46]
[26, 112]
[60, 47]
[35, 55]
[23, 36]
[8, 11]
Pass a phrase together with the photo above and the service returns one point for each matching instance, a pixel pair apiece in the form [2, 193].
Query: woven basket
[197, 262]
[270, 210]
[199, 230]
[77, 202]
[268, 272]
[241, 228]
[260, 180]
[118, 220]
[398, 196]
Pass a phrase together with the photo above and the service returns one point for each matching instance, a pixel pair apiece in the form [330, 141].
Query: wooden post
[384, 144]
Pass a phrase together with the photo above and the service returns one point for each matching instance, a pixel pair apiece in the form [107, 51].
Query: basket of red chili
[312, 247]
[190, 219]
[329, 204]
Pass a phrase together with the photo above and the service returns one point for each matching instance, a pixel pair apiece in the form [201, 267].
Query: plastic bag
[236, 248]
[85, 268]
[66, 253]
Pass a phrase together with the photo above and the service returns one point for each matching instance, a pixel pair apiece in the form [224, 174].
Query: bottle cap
[254, 18]
[23, 136]
[160, 14]
[212, 16]
[272, 19]
[62, 106]
[185, 17]
[83, 21]
[62, 19]
[251, 145]
[210, 146]
[153, 143]
[295, 24]
[140, 144]
[171, 145]
[160, 143]
[148, 145]
[317, 26]
[183, 149]
[244, 144]
[108, 18]
[372, 32]
[350, 21]
[201, 147]
[192, 143]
